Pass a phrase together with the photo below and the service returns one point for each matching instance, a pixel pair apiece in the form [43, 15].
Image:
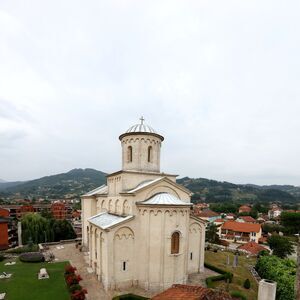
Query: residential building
[274, 212]
[208, 215]
[138, 226]
[252, 248]
[240, 232]
[244, 209]
[190, 292]
[245, 219]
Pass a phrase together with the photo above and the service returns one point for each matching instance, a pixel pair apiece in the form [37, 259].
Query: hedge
[224, 275]
[238, 295]
[23, 249]
[32, 257]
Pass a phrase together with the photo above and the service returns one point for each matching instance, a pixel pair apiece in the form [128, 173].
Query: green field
[240, 274]
[24, 284]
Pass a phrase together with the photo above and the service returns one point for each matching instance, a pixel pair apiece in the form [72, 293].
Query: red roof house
[244, 209]
[252, 248]
[240, 232]
[190, 292]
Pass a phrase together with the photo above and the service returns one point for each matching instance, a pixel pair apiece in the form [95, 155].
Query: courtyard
[24, 283]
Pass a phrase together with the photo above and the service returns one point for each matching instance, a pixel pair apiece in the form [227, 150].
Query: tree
[291, 221]
[280, 270]
[281, 246]
[212, 233]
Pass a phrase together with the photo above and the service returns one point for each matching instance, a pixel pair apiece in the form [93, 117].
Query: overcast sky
[219, 79]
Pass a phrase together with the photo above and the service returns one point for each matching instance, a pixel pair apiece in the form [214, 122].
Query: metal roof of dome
[164, 199]
[141, 128]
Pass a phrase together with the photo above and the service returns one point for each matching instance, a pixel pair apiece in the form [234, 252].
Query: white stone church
[138, 226]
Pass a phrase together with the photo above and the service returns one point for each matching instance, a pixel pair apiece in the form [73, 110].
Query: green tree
[212, 233]
[280, 270]
[291, 221]
[281, 246]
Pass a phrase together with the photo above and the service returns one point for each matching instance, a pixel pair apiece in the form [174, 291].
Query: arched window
[149, 154]
[129, 154]
[175, 243]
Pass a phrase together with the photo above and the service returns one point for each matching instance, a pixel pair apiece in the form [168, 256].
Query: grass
[240, 274]
[24, 284]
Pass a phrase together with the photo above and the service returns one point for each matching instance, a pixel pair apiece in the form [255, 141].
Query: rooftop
[103, 189]
[190, 292]
[164, 199]
[106, 220]
[241, 227]
[252, 248]
[248, 219]
[207, 214]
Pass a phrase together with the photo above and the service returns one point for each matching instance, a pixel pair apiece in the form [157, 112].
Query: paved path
[199, 278]
[79, 260]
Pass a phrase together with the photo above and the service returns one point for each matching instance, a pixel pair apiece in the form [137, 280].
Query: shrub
[247, 284]
[73, 279]
[79, 295]
[24, 249]
[238, 295]
[69, 269]
[75, 287]
[32, 257]
[224, 275]
[2, 257]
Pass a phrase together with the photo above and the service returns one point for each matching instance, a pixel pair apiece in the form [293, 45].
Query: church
[138, 227]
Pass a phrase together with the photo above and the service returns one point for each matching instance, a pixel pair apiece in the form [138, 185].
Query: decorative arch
[160, 189]
[110, 205]
[124, 232]
[126, 207]
[117, 207]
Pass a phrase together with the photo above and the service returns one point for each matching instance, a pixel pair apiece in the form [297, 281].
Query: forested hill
[75, 182]
[220, 191]
[78, 181]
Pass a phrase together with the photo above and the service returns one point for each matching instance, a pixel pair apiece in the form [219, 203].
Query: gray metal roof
[103, 189]
[164, 199]
[105, 220]
[144, 184]
[141, 128]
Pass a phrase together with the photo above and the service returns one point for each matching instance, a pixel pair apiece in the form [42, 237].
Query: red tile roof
[252, 248]
[207, 214]
[190, 292]
[241, 227]
[219, 220]
[248, 219]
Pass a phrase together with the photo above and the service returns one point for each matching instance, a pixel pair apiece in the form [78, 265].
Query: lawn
[24, 285]
[240, 274]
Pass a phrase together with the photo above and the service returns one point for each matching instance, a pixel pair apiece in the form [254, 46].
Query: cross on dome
[142, 120]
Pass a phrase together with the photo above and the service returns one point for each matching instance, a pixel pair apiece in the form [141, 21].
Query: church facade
[138, 226]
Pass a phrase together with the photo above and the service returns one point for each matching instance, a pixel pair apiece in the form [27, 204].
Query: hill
[221, 191]
[75, 182]
[78, 181]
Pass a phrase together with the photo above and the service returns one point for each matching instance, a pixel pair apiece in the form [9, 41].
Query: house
[252, 248]
[208, 215]
[8, 230]
[219, 221]
[138, 227]
[244, 209]
[190, 292]
[245, 219]
[240, 232]
[274, 212]
[230, 216]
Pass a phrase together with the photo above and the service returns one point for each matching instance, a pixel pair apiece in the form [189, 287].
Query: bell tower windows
[150, 154]
[129, 154]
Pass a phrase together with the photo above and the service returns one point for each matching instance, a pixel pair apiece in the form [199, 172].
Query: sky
[218, 79]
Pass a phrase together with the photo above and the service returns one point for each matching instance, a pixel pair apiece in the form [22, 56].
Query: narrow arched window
[175, 243]
[129, 154]
[149, 154]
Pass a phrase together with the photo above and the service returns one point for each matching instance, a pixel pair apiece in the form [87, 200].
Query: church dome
[141, 128]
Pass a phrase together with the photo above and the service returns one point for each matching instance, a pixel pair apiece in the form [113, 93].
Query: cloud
[218, 80]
